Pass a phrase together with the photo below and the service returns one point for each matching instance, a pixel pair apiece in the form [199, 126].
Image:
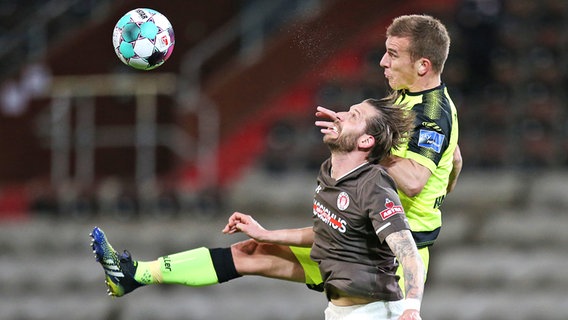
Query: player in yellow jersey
[425, 169]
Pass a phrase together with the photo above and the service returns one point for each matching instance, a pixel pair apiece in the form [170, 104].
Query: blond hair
[428, 37]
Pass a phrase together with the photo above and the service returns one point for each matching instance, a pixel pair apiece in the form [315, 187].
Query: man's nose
[383, 61]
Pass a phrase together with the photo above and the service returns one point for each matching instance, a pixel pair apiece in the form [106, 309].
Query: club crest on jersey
[391, 209]
[342, 201]
[431, 140]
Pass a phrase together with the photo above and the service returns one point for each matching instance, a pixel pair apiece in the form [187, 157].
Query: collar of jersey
[352, 170]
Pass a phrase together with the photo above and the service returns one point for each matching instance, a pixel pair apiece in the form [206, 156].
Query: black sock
[224, 265]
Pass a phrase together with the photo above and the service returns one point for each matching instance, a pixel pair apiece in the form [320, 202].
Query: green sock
[192, 268]
[145, 273]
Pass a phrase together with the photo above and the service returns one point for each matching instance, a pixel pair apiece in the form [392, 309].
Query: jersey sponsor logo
[332, 220]
[439, 201]
[431, 140]
[342, 201]
[390, 210]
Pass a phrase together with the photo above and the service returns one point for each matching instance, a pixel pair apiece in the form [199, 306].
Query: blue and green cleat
[119, 267]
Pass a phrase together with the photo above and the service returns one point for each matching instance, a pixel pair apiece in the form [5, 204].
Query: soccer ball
[143, 39]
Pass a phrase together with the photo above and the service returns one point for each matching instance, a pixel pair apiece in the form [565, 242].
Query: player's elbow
[412, 189]
[458, 160]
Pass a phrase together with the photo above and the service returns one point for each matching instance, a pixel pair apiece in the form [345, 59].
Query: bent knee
[266, 259]
[253, 247]
[247, 247]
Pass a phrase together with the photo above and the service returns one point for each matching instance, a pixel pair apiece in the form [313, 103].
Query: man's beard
[343, 144]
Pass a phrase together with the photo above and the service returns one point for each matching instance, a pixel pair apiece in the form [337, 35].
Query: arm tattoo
[404, 248]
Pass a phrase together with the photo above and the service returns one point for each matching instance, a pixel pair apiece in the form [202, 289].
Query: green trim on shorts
[311, 268]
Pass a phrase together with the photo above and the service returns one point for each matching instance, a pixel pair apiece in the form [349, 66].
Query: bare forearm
[301, 237]
[410, 177]
[241, 222]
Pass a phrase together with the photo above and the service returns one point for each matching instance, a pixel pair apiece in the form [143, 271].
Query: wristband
[412, 304]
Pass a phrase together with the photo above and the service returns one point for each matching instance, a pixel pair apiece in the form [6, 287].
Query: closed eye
[392, 53]
[354, 113]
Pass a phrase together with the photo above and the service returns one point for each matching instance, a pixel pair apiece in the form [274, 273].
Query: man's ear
[366, 141]
[423, 66]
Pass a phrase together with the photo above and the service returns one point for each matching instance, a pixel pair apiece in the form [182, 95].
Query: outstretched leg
[196, 267]
[267, 260]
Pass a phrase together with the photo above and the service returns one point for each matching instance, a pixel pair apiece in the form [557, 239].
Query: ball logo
[141, 13]
[342, 201]
[165, 40]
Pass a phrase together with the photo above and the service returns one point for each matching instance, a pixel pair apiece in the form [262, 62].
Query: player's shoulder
[377, 175]
[434, 96]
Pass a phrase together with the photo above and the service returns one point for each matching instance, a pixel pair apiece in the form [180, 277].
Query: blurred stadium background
[160, 159]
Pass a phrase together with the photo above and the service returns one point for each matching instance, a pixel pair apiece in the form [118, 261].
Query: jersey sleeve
[386, 211]
[430, 137]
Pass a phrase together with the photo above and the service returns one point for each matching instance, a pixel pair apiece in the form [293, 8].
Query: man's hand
[410, 314]
[329, 116]
[240, 222]
[326, 114]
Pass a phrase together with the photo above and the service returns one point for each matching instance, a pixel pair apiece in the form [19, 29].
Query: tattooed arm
[404, 248]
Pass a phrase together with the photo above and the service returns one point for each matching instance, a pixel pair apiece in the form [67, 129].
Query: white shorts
[380, 310]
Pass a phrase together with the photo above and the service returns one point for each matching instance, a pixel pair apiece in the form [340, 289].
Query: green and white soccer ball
[143, 39]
